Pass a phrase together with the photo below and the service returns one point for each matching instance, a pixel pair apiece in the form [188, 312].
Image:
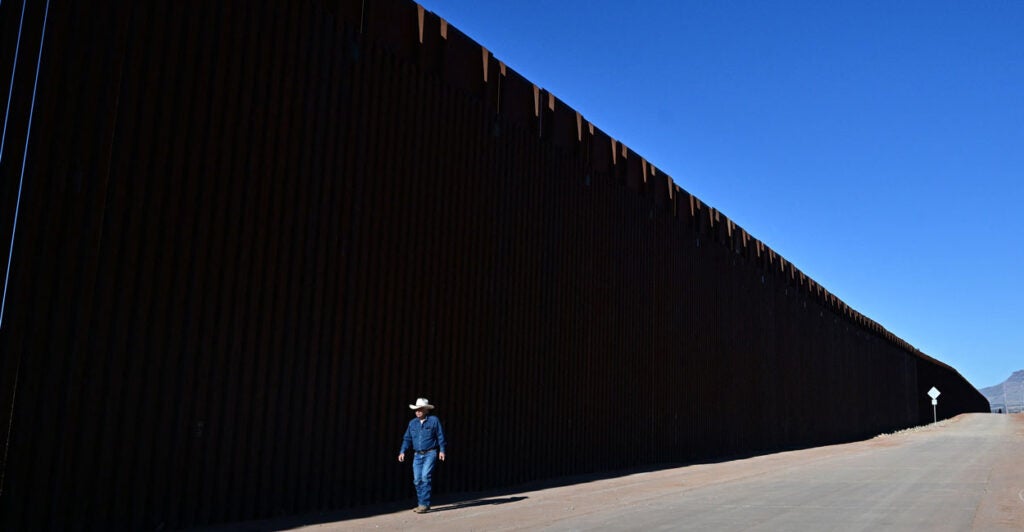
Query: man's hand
[401, 457]
[441, 456]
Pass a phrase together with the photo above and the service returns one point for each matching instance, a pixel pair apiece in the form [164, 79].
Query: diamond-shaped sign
[933, 393]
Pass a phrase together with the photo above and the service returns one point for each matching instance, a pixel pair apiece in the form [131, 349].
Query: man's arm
[439, 432]
[406, 443]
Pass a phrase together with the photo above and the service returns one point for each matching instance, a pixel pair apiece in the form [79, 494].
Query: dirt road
[966, 473]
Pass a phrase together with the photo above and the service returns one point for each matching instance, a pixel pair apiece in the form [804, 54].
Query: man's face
[420, 412]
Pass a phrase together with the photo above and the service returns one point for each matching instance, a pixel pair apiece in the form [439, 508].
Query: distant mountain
[1008, 396]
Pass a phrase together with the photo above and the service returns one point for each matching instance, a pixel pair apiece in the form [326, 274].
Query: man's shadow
[477, 502]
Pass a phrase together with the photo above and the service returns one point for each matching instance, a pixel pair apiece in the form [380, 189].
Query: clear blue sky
[877, 145]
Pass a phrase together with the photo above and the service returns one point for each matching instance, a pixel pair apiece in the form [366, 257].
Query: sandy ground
[966, 473]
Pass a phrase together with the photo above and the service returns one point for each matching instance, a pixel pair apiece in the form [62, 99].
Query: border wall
[246, 236]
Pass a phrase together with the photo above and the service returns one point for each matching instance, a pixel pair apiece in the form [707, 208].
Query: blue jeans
[422, 471]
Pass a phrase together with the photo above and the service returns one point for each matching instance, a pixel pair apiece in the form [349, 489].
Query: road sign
[934, 394]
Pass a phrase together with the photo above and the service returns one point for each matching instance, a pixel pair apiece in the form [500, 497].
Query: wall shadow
[445, 502]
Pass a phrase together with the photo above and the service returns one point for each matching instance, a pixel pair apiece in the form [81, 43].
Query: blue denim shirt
[423, 436]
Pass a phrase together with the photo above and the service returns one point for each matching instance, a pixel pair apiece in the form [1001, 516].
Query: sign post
[934, 394]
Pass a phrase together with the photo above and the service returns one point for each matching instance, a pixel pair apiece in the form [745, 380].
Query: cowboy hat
[422, 402]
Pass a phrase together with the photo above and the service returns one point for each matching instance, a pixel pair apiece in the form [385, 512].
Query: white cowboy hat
[422, 402]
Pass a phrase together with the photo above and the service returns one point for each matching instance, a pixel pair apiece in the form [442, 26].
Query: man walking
[426, 439]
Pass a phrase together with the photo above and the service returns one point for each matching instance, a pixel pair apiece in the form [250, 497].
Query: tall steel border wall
[248, 235]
